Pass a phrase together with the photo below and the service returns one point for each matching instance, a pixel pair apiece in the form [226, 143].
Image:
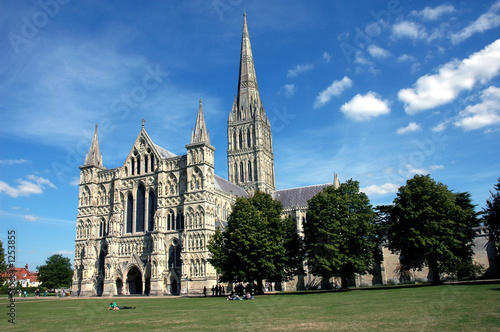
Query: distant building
[23, 276]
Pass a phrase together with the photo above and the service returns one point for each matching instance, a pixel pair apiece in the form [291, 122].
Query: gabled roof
[165, 154]
[229, 187]
[298, 196]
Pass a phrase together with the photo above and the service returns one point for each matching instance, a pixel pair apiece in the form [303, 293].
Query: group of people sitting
[234, 297]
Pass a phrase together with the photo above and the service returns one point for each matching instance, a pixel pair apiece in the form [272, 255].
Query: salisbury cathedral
[143, 227]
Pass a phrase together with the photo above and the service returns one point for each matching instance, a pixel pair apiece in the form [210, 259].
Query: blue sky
[376, 91]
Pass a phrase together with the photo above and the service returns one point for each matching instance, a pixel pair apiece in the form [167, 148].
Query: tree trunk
[433, 266]
[260, 289]
[343, 280]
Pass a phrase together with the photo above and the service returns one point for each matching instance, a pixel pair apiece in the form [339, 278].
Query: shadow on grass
[390, 287]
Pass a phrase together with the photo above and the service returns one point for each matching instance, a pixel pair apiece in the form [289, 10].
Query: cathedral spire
[93, 157]
[200, 132]
[248, 90]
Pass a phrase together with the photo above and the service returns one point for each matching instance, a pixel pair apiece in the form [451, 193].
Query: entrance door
[134, 281]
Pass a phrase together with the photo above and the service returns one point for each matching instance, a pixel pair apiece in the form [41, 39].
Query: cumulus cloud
[406, 58]
[436, 167]
[299, 69]
[365, 107]
[431, 91]
[487, 21]
[483, 114]
[377, 51]
[431, 14]
[34, 185]
[408, 29]
[335, 89]
[288, 89]
[386, 188]
[411, 127]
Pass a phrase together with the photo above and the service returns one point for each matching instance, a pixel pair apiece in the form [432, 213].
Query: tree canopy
[340, 234]
[56, 272]
[491, 214]
[257, 244]
[432, 226]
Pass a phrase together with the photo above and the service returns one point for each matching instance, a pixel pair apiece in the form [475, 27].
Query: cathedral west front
[143, 227]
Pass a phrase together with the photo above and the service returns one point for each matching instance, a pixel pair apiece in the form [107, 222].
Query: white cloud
[440, 127]
[483, 114]
[431, 14]
[30, 217]
[436, 167]
[64, 252]
[335, 89]
[487, 21]
[327, 57]
[412, 126]
[377, 51]
[406, 58]
[36, 185]
[365, 107]
[386, 188]
[14, 162]
[407, 29]
[435, 90]
[299, 69]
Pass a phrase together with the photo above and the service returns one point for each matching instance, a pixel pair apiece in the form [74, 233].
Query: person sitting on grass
[233, 297]
[248, 296]
[113, 306]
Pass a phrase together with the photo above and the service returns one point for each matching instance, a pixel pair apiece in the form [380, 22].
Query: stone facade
[143, 227]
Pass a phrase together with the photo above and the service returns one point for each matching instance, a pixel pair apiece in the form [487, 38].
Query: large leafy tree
[257, 244]
[340, 233]
[56, 272]
[491, 214]
[431, 226]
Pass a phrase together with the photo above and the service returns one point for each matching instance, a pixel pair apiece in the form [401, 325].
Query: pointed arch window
[236, 172]
[250, 171]
[130, 213]
[132, 166]
[152, 162]
[249, 140]
[241, 140]
[138, 165]
[140, 208]
[234, 141]
[242, 175]
[151, 209]
[146, 168]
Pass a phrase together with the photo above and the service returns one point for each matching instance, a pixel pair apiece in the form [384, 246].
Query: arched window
[138, 165]
[235, 146]
[249, 141]
[146, 168]
[235, 172]
[152, 162]
[100, 229]
[241, 141]
[130, 211]
[132, 166]
[242, 176]
[151, 210]
[140, 207]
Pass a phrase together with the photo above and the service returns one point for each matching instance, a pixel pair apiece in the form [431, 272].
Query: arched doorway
[134, 281]
[174, 289]
[119, 287]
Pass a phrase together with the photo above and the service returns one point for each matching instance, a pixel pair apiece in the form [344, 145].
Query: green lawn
[458, 307]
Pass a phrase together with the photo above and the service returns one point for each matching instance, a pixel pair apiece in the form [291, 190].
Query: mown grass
[450, 307]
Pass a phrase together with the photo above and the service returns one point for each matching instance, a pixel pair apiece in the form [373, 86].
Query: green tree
[56, 272]
[431, 226]
[340, 233]
[257, 244]
[491, 215]
[3, 263]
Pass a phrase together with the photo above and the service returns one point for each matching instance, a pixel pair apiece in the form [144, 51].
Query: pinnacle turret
[93, 157]
[200, 132]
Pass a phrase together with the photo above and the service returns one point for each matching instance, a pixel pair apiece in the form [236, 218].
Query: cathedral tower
[250, 149]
